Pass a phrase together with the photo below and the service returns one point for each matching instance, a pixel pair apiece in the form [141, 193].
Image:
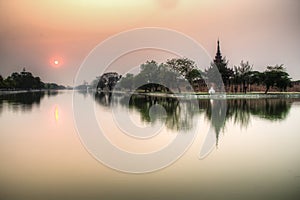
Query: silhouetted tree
[195, 75]
[53, 86]
[243, 73]
[108, 81]
[236, 78]
[24, 81]
[276, 76]
[2, 85]
[127, 82]
[184, 66]
[256, 77]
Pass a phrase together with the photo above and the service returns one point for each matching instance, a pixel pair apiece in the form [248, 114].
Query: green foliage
[183, 66]
[54, 86]
[22, 81]
[276, 76]
[214, 77]
[256, 77]
[108, 81]
[162, 77]
[149, 71]
[242, 74]
[194, 74]
[218, 71]
[1, 82]
[149, 74]
[26, 81]
[273, 76]
[127, 82]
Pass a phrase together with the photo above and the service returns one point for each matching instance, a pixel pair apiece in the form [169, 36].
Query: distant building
[219, 65]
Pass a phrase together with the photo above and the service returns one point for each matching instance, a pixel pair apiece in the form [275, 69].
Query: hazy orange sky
[34, 32]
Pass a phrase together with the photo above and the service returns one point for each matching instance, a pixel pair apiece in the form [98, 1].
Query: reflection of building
[179, 115]
[240, 111]
[218, 114]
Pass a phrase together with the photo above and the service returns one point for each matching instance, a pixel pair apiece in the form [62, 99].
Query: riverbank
[5, 92]
[187, 95]
[254, 95]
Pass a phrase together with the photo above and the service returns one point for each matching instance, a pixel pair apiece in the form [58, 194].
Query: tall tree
[244, 73]
[276, 76]
[24, 81]
[108, 81]
[148, 76]
[256, 77]
[127, 82]
[2, 85]
[236, 78]
[183, 66]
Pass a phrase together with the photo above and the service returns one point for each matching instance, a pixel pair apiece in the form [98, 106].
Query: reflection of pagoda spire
[217, 139]
[218, 116]
[217, 129]
[218, 57]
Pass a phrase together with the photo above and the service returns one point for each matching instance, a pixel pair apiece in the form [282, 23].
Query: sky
[35, 34]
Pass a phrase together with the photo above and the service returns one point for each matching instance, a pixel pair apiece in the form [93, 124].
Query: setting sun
[56, 62]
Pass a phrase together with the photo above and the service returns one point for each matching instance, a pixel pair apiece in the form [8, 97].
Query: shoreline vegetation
[25, 81]
[177, 77]
[205, 95]
[184, 95]
[182, 75]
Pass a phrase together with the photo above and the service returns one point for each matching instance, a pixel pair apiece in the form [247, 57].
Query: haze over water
[254, 143]
[42, 157]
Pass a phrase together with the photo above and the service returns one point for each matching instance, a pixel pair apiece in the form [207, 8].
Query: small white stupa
[211, 90]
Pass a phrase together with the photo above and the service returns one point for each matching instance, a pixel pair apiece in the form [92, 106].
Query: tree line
[183, 74]
[241, 77]
[154, 77]
[25, 81]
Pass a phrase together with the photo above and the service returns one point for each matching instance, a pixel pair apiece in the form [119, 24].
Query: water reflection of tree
[103, 99]
[24, 101]
[51, 93]
[240, 111]
[180, 114]
[271, 109]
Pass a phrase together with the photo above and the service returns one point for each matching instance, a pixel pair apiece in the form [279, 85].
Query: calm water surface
[256, 155]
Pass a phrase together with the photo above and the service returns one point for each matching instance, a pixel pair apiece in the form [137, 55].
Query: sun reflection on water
[56, 114]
